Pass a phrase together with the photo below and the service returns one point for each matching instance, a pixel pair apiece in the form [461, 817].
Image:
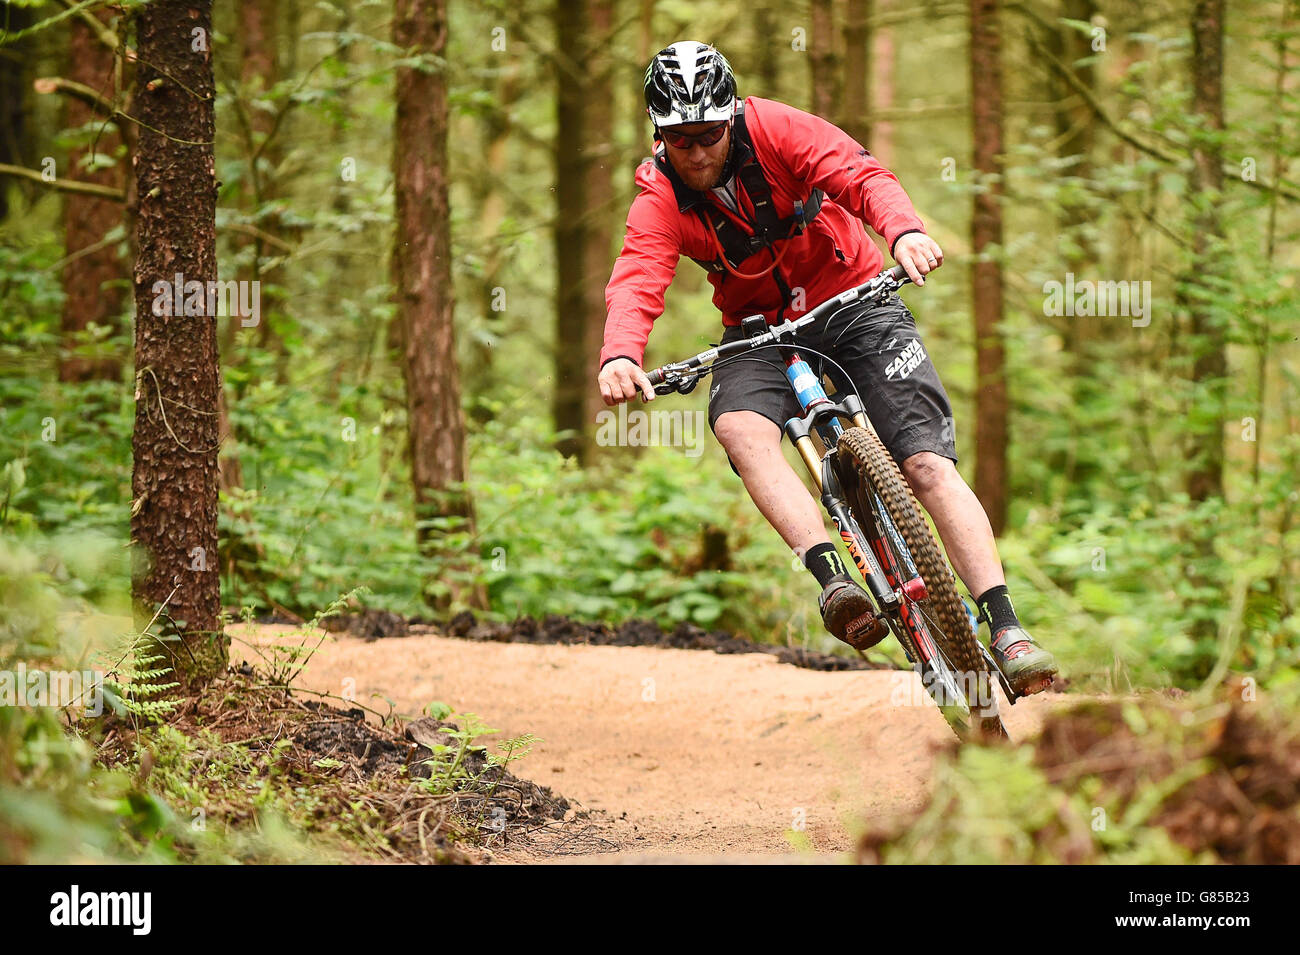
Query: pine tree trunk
[15, 66]
[493, 209]
[599, 155]
[1073, 121]
[1209, 341]
[423, 288]
[857, 71]
[986, 243]
[258, 72]
[768, 43]
[94, 273]
[583, 193]
[882, 89]
[823, 61]
[174, 482]
[1074, 127]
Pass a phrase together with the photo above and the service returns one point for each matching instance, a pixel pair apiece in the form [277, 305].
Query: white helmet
[689, 82]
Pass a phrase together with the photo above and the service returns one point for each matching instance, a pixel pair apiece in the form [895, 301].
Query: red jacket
[797, 152]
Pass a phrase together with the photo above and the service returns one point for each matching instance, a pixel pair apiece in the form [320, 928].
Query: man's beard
[703, 179]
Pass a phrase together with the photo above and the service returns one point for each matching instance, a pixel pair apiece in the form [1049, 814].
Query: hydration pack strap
[734, 245]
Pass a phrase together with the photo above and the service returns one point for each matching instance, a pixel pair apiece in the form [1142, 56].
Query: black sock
[824, 562]
[996, 604]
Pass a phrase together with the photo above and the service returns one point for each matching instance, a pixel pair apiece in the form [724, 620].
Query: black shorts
[880, 350]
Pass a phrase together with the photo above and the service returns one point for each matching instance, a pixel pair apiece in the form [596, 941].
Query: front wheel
[932, 625]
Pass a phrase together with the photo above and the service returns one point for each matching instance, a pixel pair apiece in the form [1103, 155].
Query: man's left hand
[918, 254]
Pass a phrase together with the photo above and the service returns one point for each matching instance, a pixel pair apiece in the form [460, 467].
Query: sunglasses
[686, 141]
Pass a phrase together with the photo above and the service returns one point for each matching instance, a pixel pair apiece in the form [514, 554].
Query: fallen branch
[65, 185]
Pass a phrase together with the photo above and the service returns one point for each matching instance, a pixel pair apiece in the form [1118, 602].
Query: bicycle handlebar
[675, 375]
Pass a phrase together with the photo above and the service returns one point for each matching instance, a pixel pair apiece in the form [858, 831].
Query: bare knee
[743, 434]
[926, 472]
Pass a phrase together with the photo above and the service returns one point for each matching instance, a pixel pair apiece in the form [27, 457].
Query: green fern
[135, 686]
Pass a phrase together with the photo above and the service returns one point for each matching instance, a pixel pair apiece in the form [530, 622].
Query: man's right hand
[620, 379]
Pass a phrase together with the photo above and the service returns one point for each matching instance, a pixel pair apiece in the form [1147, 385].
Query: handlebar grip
[898, 274]
[656, 376]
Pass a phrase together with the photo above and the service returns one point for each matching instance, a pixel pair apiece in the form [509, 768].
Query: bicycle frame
[894, 584]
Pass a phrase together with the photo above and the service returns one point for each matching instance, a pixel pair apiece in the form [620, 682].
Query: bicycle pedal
[864, 633]
[1039, 687]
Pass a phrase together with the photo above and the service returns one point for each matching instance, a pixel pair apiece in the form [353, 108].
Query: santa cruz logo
[906, 361]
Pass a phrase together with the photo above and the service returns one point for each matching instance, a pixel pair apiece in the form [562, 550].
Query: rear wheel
[934, 628]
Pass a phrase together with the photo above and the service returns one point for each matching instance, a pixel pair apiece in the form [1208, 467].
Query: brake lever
[673, 381]
[888, 286]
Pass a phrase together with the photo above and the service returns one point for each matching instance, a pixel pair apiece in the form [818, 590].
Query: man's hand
[620, 379]
[918, 254]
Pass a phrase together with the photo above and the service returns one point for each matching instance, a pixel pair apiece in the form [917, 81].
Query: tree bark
[15, 59]
[882, 89]
[986, 273]
[584, 191]
[423, 288]
[857, 70]
[1073, 121]
[768, 43]
[823, 61]
[1074, 127]
[633, 74]
[1208, 340]
[259, 71]
[493, 210]
[599, 156]
[94, 272]
[174, 482]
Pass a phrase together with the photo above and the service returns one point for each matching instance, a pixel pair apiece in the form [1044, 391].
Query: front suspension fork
[855, 540]
[822, 470]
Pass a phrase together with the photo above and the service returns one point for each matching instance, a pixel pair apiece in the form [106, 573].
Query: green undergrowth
[246, 771]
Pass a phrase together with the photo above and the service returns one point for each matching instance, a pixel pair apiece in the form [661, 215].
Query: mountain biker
[765, 197]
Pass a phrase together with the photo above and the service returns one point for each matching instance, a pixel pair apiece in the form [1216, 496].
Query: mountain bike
[878, 518]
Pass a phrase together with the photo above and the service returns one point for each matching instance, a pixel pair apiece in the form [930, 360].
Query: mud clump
[427, 747]
[369, 624]
[345, 735]
[498, 796]
[638, 633]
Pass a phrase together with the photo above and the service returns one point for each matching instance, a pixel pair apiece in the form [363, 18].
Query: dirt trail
[688, 752]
